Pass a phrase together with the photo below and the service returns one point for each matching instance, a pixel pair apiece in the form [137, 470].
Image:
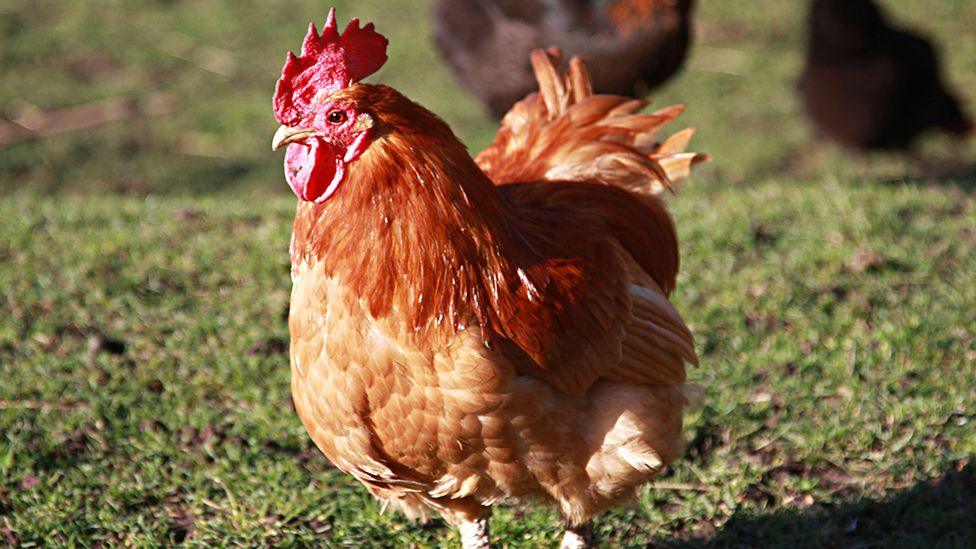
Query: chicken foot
[578, 537]
[474, 534]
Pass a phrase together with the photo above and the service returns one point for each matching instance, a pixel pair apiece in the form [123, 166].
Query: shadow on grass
[948, 173]
[937, 513]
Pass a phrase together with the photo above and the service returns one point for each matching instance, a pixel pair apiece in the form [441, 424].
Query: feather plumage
[465, 333]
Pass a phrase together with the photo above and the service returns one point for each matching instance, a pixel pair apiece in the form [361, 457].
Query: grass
[144, 282]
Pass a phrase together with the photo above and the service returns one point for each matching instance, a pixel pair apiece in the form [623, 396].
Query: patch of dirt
[765, 323]
[187, 214]
[88, 66]
[75, 445]
[155, 386]
[182, 525]
[29, 482]
[268, 347]
[319, 527]
[707, 439]
[867, 260]
[6, 506]
[98, 342]
[9, 536]
[759, 495]
[304, 452]
[763, 235]
[831, 477]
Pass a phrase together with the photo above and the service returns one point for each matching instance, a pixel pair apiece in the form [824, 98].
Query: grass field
[144, 287]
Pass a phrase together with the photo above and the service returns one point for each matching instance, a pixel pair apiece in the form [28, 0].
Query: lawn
[144, 287]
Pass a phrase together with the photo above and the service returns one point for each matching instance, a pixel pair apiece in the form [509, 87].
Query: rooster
[632, 45]
[470, 331]
[870, 86]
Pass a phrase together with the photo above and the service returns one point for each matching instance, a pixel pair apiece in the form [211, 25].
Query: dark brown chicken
[631, 46]
[868, 85]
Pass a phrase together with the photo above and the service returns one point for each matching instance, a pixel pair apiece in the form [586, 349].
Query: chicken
[870, 86]
[631, 45]
[466, 332]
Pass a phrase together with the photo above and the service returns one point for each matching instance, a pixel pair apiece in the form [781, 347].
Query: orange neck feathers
[417, 229]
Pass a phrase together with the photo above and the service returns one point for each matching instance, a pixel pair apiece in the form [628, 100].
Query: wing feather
[613, 319]
[585, 171]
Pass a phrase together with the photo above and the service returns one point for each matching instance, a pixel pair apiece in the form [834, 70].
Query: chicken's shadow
[940, 512]
[943, 174]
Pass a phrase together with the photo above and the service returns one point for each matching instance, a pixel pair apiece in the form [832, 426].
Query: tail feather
[566, 133]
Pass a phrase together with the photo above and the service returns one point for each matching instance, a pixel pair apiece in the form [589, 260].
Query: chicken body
[870, 86]
[458, 428]
[461, 338]
[631, 45]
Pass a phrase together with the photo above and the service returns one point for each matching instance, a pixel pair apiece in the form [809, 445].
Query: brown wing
[604, 251]
[596, 305]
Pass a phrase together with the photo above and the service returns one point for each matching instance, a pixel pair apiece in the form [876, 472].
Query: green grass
[144, 283]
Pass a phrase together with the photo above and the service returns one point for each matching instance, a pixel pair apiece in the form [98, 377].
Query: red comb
[327, 62]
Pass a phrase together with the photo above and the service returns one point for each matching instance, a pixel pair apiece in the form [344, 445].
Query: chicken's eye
[336, 117]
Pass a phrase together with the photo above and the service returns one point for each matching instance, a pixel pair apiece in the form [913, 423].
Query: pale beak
[287, 134]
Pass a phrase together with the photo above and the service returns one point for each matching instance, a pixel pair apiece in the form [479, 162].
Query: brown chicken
[868, 85]
[631, 45]
[466, 332]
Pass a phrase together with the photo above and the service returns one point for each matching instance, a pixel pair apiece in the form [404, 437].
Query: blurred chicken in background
[868, 85]
[632, 46]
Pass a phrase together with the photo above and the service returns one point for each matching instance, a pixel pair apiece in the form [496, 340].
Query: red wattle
[311, 166]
